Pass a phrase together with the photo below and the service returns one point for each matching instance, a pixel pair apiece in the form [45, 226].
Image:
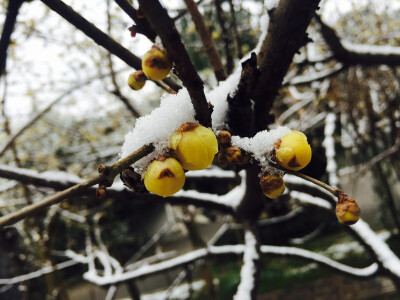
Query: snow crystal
[262, 144]
[157, 128]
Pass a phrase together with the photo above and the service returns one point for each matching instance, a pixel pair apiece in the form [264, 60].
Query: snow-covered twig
[329, 144]
[247, 288]
[38, 273]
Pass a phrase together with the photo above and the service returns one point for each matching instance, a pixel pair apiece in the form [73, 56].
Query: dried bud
[100, 192]
[293, 151]
[139, 13]
[137, 80]
[156, 63]
[132, 180]
[233, 155]
[347, 210]
[272, 185]
[224, 138]
[194, 145]
[132, 30]
[164, 177]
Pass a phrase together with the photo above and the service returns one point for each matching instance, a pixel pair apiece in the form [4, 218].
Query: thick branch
[286, 34]
[352, 54]
[101, 38]
[208, 44]
[164, 26]
[9, 23]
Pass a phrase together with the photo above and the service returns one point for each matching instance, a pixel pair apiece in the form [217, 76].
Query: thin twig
[101, 38]
[334, 191]
[107, 175]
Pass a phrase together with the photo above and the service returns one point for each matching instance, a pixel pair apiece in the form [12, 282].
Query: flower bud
[347, 211]
[272, 185]
[292, 151]
[137, 80]
[156, 64]
[194, 145]
[224, 138]
[164, 177]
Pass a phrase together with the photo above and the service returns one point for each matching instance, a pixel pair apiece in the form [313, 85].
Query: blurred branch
[103, 39]
[353, 54]
[286, 34]
[165, 28]
[8, 28]
[316, 76]
[117, 90]
[208, 44]
[221, 17]
[142, 26]
[211, 251]
[41, 113]
[105, 177]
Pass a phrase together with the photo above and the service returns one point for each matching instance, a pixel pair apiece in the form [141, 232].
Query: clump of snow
[157, 128]
[262, 144]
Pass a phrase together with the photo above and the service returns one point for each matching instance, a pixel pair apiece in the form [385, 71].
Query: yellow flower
[194, 145]
[272, 185]
[292, 151]
[347, 211]
[164, 177]
[137, 80]
[156, 64]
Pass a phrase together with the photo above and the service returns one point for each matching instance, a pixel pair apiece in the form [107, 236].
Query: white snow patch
[371, 49]
[247, 273]
[262, 144]
[157, 128]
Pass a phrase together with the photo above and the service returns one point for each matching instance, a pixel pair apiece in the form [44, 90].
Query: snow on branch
[383, 254]
[195, 255]
[38, 273]
[248, 274]
[352, 54]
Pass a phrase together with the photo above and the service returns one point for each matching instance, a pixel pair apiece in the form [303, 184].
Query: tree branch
[142, 26]
[108, 175]
[102, 39]
[8, 28]
[164, 26]
[208, 44]
[353, 54]
[286, 34]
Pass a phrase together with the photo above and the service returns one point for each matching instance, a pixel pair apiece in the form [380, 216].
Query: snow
[248, 271]
[262, 144]
[292, 251]
[157, 128]
[308, 199]
[231, 199]
[371, 49]
[329, 145]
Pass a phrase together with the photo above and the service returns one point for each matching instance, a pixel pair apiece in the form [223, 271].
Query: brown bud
[272, 185]
[233, 155]
[347, 210]
[224, 138]
[100, 192]
[101, 168]
[132, 30]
